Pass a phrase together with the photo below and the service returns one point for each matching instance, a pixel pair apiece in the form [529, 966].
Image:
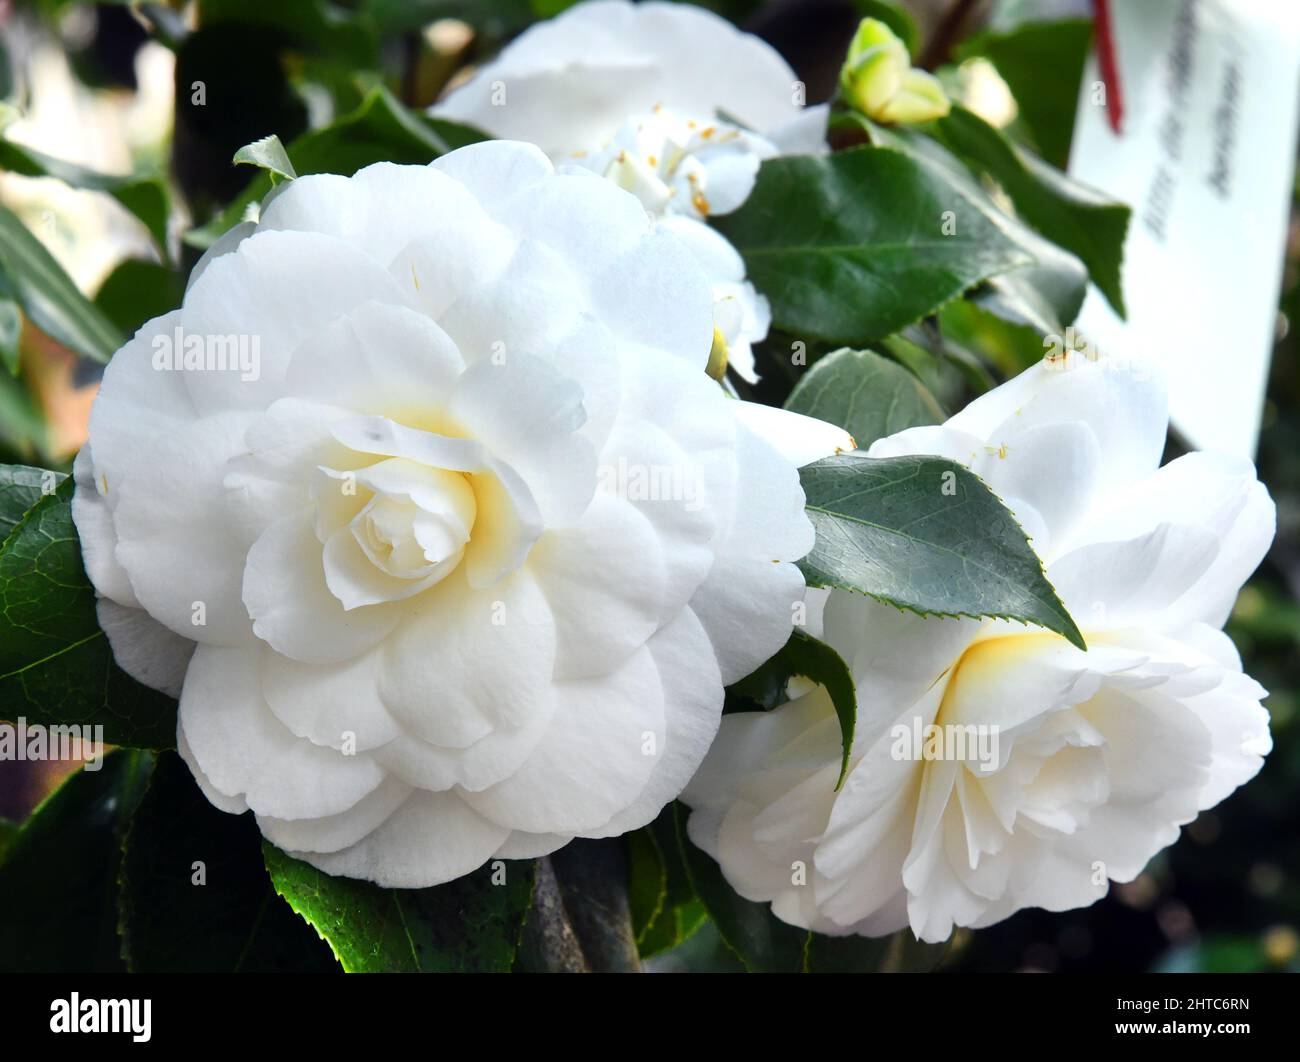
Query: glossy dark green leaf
[865, 394]
[760, 940]
[1046, 293]
[471, 924]
[55, 662]
[21, 487]
[145, 195]
[806, 657]
[381, 129]
[58, 884]
[925, 534]
[852, 247]
[680, 913]
[194, 893]
[1072, 215]
[48, 295]
[647, 880]
[1042, 63]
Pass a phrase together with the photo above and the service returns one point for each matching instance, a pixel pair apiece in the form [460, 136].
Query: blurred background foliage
[118, 122]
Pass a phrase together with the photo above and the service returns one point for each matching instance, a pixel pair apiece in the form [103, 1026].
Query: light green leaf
[865, 394]
[925, 534]
[267, 154]
[58, 884]
[467, 925]
[852, 247]
[1071, 215]
[49, 296]
[381, 129]
[55, 663]
[194, 893]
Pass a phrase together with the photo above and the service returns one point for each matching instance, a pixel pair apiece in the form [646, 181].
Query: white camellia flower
[996, 766]
[457, 565]
[670, 102]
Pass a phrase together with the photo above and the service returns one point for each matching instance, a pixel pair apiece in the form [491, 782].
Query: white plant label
[1206, 158]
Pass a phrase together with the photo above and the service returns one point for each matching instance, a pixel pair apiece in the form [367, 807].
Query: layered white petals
[469, 557]
[994, 767]
[666, 101]
[571, 82]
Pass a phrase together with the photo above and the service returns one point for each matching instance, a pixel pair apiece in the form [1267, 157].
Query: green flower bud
[877, 79]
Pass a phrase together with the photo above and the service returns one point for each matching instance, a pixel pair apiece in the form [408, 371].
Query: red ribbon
[1106, 60]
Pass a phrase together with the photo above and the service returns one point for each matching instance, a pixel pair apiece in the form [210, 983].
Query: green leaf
[762, 942]
[898, 953]
[138, 291]
[866, 395]
[807, 657]
[925, 534]
[21, 487]
[851, 247]
[1042, 63]
[11, 330]
[978, 323]
[380, 130]
[49, 296]
[267, 154]
[680, 913]
[144, 195]
[471, 924]
[647, 880]
[1045, 294]
[318, 27]
[58, 884]
[1072, 215]
[194, 893]
[55, 662]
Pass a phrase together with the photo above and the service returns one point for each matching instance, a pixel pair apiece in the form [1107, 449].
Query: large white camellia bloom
[459, 568]
[667, 100]
[1077, 767]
